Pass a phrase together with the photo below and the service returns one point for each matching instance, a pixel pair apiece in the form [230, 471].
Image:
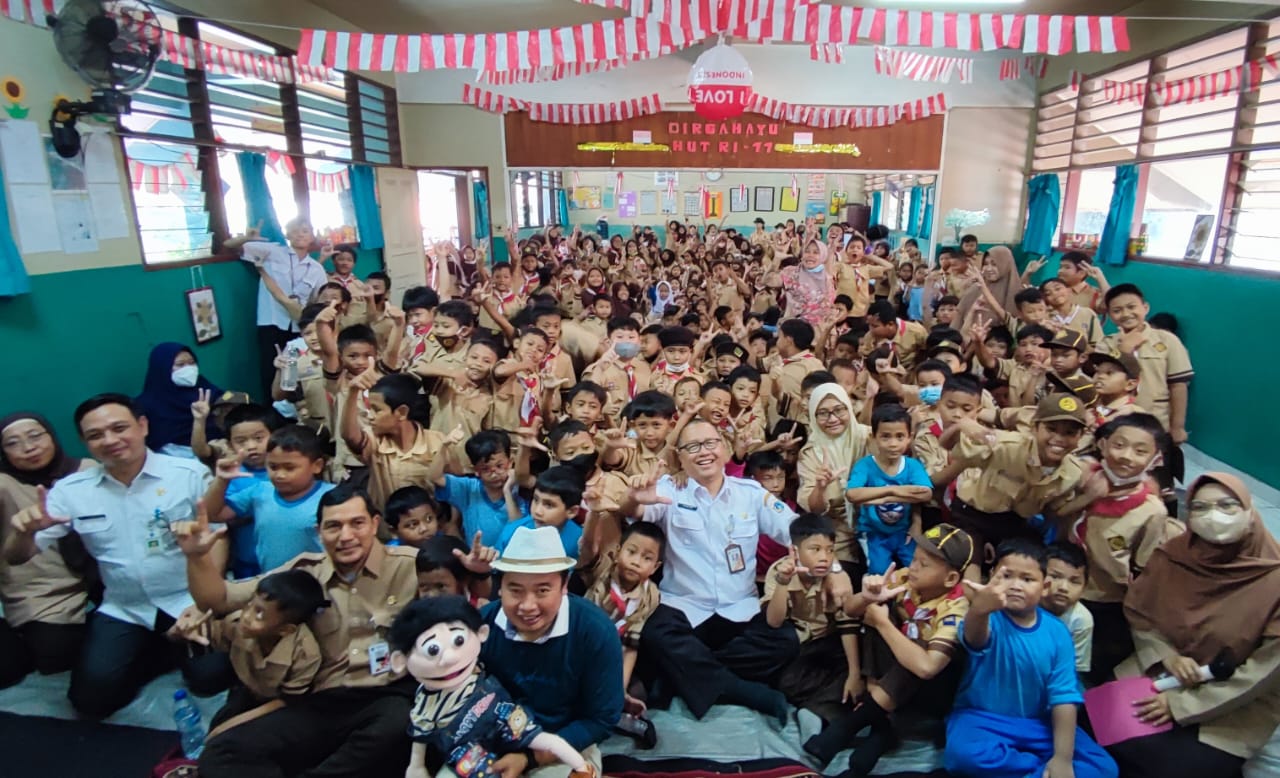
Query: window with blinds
[1106, 128]
[379, 140]
[1055, 129]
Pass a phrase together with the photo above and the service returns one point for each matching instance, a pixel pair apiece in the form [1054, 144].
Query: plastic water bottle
[190, 729]
[289, 375]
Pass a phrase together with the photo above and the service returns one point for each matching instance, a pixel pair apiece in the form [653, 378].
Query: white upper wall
[782, 72]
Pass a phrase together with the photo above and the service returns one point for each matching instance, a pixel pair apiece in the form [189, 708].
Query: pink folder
[1111, 711]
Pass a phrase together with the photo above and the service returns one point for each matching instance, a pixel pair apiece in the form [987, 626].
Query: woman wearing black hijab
[44, 598]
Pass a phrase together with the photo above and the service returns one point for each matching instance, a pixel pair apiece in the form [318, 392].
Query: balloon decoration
[720, 83]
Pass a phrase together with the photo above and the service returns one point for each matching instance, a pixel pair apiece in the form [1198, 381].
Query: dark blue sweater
[573, 684]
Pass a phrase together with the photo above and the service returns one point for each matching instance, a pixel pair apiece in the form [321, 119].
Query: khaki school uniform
[927, 448]
[43, 588]
[287, 670]
[439, 358]
[727, 294]
[382, 327]
[787, 378]
[559, 365]
[597, 329]
[933, 625]
[613, 488]
[1119, 547]
[621, 380]
[359, 616]
[908, 343]
[1083, 320]
[509, 304]
[838, 509]
[804, 607]
[468, 408]
[1103, 413]
[391, 467]
[815, 678]
[664, 380]
[343, 457]
[1162, 360]
[627, 610]
[509, 398]
[1086, 296]
[640, 463]
[1007, 475]
[762, 301]
[580, 343]
[1019, 377]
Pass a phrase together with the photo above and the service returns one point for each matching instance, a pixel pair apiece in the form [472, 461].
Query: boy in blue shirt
[1015, 714]
[249, 429]
[885, 486]
[480, 499]
[556, 497]
[283, 509]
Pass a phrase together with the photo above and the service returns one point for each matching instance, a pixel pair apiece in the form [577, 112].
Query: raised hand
[192, 626]
[200, 408]
[876, 589]
[397, 315]
[194, 537]
[979, 329]
[1035, 265]
[36, 518]
[785, 569]
[985, 598]
[327, 251]
[617, 438]
[595, 501]
[647, 494]
[457, 436]
[365, 381]
[480, 559]
[228, 468]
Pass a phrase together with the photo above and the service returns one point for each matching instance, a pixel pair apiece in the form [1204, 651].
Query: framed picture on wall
[693, 204]
[738, 200]
[764, 198]
[790, 199]
[204, 314]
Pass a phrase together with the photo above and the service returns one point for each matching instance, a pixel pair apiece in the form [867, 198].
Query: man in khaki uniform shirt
[357, 725]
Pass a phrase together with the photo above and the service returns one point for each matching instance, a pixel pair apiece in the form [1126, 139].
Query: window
[1094, 200]
[891, 209]
[1254, 235]
[537, 197]
[1183, 200]
[186, 127]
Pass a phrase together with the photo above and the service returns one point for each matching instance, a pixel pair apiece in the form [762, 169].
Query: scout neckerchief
[530, 408]
[420, 333]
[1065, 320]
[530, 283]
[797, 358]
[630, 370]
[1109, 507]
[918, 614]
[1101, 413]
[549, 360]
[625, 606]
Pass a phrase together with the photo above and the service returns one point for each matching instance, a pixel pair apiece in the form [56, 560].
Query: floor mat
[36, 745]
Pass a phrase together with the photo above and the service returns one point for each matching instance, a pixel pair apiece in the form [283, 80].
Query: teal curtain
[480, 194]
[13, 274]
[913, 213]
[1044, 196]
[562, 198]
[926, 223]
[257, 197]
[364, 198]
[1114, 246]
[876, 199]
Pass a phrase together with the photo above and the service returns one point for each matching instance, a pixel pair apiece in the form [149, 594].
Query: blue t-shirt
[1022, 671]
[890, 518]
[570, 534]
[479, 513]
[282, 529]
[915, 303]
[244, 552]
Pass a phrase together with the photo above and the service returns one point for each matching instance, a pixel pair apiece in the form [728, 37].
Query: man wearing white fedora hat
[555, 653]
[709, 638]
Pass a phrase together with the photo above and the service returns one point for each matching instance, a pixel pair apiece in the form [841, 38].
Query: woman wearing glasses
[709, 639]
[1207, 596]
[836, 441]
[44, 599]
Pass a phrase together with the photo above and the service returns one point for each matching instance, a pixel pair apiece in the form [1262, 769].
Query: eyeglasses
[834, 413]
[710, 444]
[1228, 505]
[30, 439]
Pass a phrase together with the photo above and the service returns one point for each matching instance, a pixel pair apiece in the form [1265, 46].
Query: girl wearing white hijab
[836, 441]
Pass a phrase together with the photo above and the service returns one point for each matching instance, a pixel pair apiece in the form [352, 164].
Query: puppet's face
[444, 656]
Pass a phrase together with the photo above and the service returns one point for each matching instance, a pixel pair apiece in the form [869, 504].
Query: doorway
[453, 205]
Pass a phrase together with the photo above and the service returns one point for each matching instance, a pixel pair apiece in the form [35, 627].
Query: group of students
[988, 471]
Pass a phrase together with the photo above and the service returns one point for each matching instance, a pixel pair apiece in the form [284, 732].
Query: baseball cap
[731, 349]
[1126, 362]
[676, 336]
[1068, 338]
[952, 544]
[1061, 407]
[1080, 385]
[232, 398]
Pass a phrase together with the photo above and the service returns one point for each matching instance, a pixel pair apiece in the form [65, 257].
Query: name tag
[687, 507]
[96, 517]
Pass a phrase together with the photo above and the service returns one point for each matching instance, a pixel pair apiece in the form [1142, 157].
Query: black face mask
[583, 463]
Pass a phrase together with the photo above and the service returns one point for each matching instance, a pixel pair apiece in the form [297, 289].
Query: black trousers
[1177, 753]
[117, 659]
[269, 337]
[700, 662]
[45, 648]
[356, 733]
[1112, 640]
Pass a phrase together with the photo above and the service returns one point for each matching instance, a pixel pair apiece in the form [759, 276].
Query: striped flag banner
[553, 73]
[830, 53]
[563, 113]
[822, 116]
[1013, 68]
[913, 66]
[1191, 89]
[328, 182]
[156, 179]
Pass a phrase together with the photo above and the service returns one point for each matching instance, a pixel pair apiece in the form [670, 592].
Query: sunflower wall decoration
[14, 92]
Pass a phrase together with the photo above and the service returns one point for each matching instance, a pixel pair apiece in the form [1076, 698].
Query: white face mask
[187, 375]
[1120, 480]
[1221, 528]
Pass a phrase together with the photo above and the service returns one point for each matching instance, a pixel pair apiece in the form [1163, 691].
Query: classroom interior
[400, 160]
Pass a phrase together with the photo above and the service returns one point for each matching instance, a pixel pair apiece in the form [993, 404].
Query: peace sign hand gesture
[194, 537]
[200, 408]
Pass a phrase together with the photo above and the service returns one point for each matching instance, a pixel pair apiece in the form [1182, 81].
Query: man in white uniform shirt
[296, 276]
[709, 638]
[122, 510]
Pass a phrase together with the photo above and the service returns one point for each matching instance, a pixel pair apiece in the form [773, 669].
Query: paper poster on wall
[715, 205]
[764, 198]
[585, 198]
[22, 150]
[669, 204]
[1199, 239]
[839, 200]
[627, 205]
[790, 202]
[816, 211]
[74, 217]
[66, 175]
[692, 203]
[662, 178]
[32, 204]
[606, 200]
[100, 159]
[648, 203]
[738, 200]
[108, 211]
[817, 186]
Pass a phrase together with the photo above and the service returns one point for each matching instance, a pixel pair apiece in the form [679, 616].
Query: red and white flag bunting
[278, 160]
[617, 185]
[30, 11]
[1192, 89]
[822, 116]
[563, 113]
[554, 73]
[671, 187]
[795, 187]
[1014, 68]
[830, 53]
[159, 178]
[911, 65]
[328, 182]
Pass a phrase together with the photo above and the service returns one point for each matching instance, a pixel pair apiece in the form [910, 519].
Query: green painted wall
[90, 331]
[1225, 319]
